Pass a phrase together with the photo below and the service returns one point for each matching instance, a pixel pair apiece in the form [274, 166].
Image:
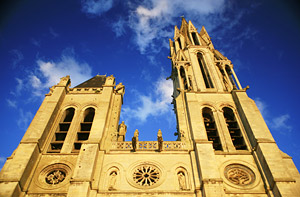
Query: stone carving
[181, 180]
[120, 88]
[159, 140]
[146, 175]
[239, 174]
[135, 139]
[55, 177]
[122, 132]
[112, 180]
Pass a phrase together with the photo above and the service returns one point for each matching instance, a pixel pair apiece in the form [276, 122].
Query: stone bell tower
[75, 145]
[234, 149]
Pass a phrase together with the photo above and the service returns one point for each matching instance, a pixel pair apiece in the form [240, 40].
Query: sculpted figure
[122, 132]
[181, 181]
[135, 139]
[112, 181]
[159, 140]
[120, 88]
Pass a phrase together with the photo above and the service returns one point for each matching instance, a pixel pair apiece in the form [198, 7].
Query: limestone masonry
[75, 145]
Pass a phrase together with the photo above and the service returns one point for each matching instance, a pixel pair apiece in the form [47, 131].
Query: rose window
[146, 175]
[239, 174]
[55, 177]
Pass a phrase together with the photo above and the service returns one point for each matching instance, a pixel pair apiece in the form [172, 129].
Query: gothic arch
[182, 177]
[107, 172]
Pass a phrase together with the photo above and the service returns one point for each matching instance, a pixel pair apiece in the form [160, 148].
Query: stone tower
[75, 145]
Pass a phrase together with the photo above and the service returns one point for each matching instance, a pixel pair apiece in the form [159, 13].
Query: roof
[95, 82]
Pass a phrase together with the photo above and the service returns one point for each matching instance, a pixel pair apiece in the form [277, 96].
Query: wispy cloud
[261, 106]
[11, 103]
[148, 105]
[96, 7]
[118, 27]
[36, 42]
[278, 123]
[24, 119]
[48, 73]
[281, 123]
[53, 33]
[17, 57]
[152, 22]
[19, 87]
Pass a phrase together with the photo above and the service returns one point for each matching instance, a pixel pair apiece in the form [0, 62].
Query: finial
[182, 16]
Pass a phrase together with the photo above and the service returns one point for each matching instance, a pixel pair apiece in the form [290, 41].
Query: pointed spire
[192, 27]
[184, 24]
[176, 32]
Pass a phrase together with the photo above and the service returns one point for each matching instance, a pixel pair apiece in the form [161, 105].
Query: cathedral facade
[75, 145]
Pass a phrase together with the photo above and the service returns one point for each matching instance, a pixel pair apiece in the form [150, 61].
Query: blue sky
[41, 41]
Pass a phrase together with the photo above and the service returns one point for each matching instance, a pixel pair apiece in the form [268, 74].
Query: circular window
[54, 176]
[146, 175]
[239, 174]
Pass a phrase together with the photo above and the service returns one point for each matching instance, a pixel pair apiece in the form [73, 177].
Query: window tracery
[234, 129]
[211, 129]
[62, 130]
[146, 175]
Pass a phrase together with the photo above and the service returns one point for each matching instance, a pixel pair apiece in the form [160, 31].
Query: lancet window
[179, 42]
[195, 38]
[85, 128]
[234, 129]
[211, 129]
[61, 131]
[183, 78]
[204, 71]
[229, 73]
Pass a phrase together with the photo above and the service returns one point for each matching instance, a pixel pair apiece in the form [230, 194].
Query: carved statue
[159, 140]
[182, 135]
[181, 181]
[112, 181]
[120, 88]
[122, 132]
[135, 139]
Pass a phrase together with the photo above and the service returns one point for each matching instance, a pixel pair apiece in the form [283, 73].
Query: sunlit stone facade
[75, 145]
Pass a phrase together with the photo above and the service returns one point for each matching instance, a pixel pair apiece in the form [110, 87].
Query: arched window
[183, 78]
[61, 131]
[85, 128]
[195, 39]
[204, 71]
[211, 129]
[234, 129]
[229, 73]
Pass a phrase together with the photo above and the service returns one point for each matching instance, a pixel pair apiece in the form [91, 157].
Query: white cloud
[24, 119]
[17, 57]
[11, 103]
[261, 106]
[149, 105]
[50, 72]
[280, 123]
[96, 7]
[118, 27]
[19, 87]
[151, 22]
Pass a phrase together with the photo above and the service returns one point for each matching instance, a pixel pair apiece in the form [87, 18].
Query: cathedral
[75, 145]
